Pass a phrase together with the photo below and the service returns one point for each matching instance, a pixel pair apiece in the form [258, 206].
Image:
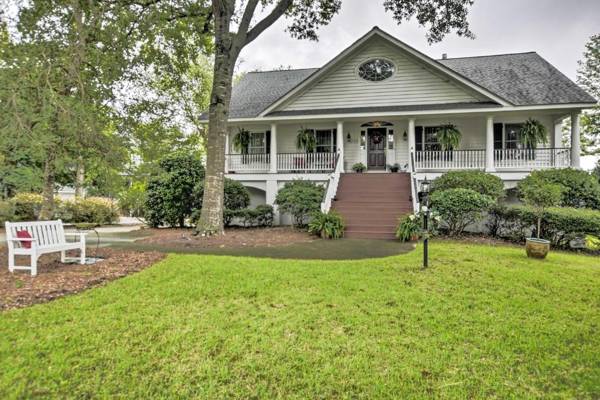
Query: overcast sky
[556, 29]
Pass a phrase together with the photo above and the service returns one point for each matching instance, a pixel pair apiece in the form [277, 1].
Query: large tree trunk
[47, 211]
[79, 177]
[211, 217]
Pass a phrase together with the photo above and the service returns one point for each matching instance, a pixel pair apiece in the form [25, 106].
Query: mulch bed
[233, 238]
[54, 279]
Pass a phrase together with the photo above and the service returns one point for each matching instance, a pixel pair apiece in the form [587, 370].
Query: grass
[483, 322]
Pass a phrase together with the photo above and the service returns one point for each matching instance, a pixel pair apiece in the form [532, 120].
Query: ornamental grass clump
[328, 225]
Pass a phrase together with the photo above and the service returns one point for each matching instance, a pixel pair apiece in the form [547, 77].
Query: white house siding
[411, 84]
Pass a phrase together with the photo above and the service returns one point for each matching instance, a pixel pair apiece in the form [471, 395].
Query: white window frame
[262, 148]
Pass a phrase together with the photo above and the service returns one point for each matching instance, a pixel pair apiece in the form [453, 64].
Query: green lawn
[484, 322]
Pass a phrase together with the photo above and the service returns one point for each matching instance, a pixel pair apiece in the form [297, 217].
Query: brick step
[371, 219]
[370, 235]
[350, 209]
[375, 203]
[370, 228]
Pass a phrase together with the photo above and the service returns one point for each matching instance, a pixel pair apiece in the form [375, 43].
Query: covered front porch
[383, 143]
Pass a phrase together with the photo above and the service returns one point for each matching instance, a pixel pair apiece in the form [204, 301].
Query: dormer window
[376, 70]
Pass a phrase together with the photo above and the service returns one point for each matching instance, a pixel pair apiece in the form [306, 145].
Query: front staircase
[371, 203]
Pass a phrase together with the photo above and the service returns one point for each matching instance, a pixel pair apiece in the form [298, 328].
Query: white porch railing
[306, 162]
[532, 158]
[451, 159]
[248, 162]
[332, 187]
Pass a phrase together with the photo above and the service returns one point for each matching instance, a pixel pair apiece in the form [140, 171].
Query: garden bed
[54, 279]
[233, 238]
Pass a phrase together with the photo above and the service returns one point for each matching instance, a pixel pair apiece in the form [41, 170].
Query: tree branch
[269, 20]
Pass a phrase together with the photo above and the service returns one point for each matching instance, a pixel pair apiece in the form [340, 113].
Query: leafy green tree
[540, 196]
[235, 27]
[588, 76]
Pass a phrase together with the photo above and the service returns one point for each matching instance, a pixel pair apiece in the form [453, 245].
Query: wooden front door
[376, 148]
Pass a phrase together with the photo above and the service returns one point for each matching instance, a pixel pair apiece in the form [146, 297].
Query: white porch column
[575, 140]
[489, 145]
[271, 194]
[273, 154]
[556, 139]
[340, 145]
[411, 142]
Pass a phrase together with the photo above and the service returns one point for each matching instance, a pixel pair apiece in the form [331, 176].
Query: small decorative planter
[537, 248]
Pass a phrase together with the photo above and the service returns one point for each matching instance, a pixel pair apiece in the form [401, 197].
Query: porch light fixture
[424, 201]
[405, 136]
[349, 138]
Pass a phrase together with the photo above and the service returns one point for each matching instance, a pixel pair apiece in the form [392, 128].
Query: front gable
[418, 80]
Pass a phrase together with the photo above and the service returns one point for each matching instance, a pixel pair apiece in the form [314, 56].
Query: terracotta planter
[537, 248]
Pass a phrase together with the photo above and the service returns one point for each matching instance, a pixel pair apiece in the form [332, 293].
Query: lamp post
[424, 202]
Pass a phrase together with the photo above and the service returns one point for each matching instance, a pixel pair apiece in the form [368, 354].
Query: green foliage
[561, 224]
[27, 206]
[7, 212]
[540, 196]
[588, 76]
[241, 141]
[236, 195]
[133, 199]
[409, 226]
[596, 171]
[359, 168]
[261, 216]
[300, 199]
[306, 140]
[479, 181]
[171, 196]
[94, 210]
[459, 208]
[449, 136]
[533, 132]
[581, 189]
[328, 225]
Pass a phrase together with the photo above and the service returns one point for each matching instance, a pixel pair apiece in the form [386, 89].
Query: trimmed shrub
[93, 210]
[327, 225]
[478, 181]
[561, 224]
[7, 212]
[582, 190]
[459, 208]
[171, 197]
[27, 206]
[300, 199]
[261, 216]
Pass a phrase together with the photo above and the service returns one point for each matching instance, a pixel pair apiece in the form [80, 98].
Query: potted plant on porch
[448, 136]
[306, 140]
[241, 141]
[540, 196]
[532, 133]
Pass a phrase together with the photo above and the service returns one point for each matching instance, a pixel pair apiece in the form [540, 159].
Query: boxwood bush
[94, 210]
[237, 197]
[7, 212]
[459, 208]
[261, 216]
[478, 181]
[560, 224]
[582, 189]
[27, 206]
[300, 199]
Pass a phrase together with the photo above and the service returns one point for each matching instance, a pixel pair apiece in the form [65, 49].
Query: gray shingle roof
[522, 79]
[258, 90]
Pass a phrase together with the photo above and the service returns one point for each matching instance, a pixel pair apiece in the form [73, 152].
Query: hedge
[560, 225]
[459, 208]
[261, 216]
[478, 181]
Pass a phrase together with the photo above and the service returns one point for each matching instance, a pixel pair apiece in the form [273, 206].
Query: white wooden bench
[44, 237]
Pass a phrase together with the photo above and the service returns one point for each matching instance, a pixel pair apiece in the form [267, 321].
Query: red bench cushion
[24, 235]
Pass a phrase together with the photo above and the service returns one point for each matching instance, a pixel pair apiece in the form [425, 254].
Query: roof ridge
[281, 70]
[489, 55]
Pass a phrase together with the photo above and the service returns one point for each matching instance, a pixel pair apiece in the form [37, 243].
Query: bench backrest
[47, 233]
